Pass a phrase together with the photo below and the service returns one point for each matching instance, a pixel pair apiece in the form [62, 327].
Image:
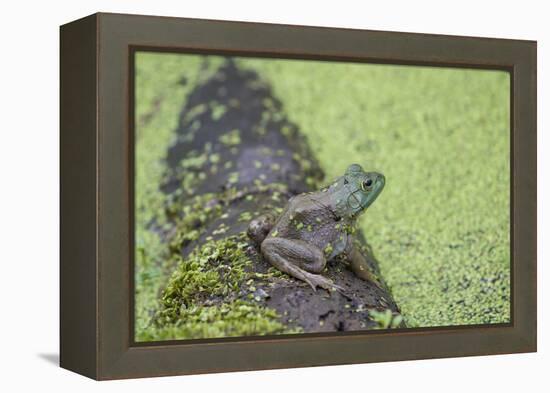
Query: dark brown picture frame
[97, 195]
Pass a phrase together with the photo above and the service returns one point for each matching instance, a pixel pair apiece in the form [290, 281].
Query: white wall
[29, 193]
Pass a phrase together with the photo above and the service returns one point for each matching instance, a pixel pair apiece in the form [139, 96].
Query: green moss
[201, 274]
[274, 272]
[386, 319]
[245, 216]
[191, 224]
[217, 111]
[236, 318]
[217, 270]
[194, 162]
[214, 158]
[195, 111]
[233, 177]
[231, 138]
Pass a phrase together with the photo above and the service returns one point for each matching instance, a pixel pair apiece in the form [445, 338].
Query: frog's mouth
[379, 184]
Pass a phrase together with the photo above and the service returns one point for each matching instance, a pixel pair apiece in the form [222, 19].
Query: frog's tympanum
[318, 226]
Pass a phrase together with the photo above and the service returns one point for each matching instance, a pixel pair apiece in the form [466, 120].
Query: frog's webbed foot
[316, 280]
[313, 280]
[300, 260]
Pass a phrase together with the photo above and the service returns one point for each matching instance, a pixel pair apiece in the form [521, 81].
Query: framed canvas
[244, 196]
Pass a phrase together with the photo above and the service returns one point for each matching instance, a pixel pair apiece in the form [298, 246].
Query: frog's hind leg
[298, 259]
[360, 267]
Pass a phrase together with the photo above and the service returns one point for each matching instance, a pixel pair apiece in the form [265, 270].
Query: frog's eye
[365, 185]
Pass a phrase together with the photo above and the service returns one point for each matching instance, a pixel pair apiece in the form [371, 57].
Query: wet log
[236, 156]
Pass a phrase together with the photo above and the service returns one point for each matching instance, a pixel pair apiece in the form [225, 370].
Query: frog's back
[307, 218]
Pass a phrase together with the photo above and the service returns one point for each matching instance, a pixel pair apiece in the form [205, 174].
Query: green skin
[318, 226]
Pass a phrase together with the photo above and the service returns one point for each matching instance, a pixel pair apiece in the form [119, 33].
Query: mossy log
[237, 156]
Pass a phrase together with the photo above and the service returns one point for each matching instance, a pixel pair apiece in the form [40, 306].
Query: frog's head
[359, 190]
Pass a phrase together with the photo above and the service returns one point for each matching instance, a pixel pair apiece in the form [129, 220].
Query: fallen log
[237, 156]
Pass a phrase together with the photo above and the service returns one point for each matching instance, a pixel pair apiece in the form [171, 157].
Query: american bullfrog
[316, 227]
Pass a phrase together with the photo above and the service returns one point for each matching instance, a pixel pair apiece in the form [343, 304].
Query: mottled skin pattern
[318, 226]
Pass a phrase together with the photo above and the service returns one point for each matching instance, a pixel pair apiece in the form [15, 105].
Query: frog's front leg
[360, 266]
[298, 259]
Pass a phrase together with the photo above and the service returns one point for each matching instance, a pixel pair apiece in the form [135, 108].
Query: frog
[316, 227]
